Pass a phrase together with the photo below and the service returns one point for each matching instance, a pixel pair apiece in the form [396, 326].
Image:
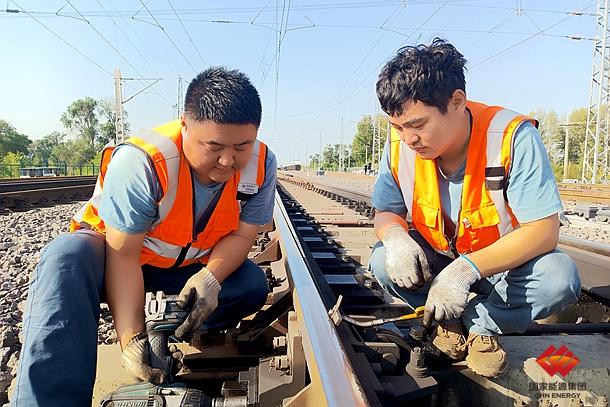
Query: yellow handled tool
[419, 312]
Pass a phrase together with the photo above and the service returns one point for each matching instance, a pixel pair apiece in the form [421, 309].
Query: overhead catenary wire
[149, 50]
[187, 33]
[63, 40]
[168, 36]
[363, 81]
[506, 50]
[396, 14]
[59, 37]
[136, 48]
[357, 88]
[325, 7]
[113, 47]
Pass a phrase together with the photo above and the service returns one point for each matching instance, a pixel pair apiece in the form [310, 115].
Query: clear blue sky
[330, 54]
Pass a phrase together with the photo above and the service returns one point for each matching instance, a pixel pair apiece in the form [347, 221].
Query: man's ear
[457, 101]
[183, 119]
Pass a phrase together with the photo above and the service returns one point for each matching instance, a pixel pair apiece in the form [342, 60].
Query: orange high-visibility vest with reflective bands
[171, 241]
[485, 214]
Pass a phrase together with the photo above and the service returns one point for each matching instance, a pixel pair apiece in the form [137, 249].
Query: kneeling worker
[176, 209]
[465, 201]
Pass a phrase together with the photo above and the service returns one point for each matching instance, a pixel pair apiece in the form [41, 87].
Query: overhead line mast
[595, 166]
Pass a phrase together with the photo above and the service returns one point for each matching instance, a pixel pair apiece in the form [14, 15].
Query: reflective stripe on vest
[484, 215]
[172, 235]
[251, 177]
[170, 158]
[172, 251]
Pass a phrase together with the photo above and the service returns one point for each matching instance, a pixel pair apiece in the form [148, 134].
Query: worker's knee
[246, 287]
[72, 256]
[558, 277]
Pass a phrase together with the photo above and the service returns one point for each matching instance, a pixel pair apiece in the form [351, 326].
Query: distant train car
[30, 172]
[291, 167]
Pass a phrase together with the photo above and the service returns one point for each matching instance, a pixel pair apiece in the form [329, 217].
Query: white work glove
[405, 261]
[200, 294]
[448, 293]
[136, 360]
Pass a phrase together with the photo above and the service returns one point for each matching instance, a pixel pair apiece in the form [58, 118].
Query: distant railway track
[585, 193]
[24, 193]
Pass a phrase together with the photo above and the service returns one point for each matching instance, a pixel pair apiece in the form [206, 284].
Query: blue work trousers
[59, 352]
[506, 302]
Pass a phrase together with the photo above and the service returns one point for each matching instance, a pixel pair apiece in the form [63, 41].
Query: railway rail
[301, 349]
[24, 193]
[585, 193]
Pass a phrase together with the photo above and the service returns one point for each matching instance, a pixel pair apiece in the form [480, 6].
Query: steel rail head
[593, 247]
[323, 350]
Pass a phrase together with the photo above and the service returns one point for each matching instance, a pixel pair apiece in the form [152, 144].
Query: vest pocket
[481, 225]
[425, 214]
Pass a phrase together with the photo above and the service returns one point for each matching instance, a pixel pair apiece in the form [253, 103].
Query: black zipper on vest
[203, 221]
[181, 256]
[186, 248]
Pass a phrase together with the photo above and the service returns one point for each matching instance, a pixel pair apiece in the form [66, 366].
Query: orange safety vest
[171, 241]
[485, 214]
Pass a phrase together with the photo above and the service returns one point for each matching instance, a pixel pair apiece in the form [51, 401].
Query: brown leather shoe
[485, 355]
[449, 338]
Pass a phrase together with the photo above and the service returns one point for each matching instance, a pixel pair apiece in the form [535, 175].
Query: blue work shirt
[132, 190]
[532, 191]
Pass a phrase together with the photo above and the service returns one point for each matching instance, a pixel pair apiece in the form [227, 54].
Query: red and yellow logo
[555, 361]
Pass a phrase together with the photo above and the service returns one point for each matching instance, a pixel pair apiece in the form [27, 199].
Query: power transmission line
[22, 10]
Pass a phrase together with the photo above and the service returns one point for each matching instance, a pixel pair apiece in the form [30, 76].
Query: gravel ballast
[21, 239]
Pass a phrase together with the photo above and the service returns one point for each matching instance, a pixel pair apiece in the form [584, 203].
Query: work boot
[449, 338]
[485, 355]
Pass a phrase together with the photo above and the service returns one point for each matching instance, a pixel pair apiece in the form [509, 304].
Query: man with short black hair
[176, 208]
[465, 201]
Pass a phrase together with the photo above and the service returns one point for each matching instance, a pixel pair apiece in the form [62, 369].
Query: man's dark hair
[223, 96]
[423, 73]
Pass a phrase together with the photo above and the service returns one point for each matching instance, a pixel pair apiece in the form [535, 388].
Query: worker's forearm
[384, 220]
[125, 294]
[516, 248]
[228, 255]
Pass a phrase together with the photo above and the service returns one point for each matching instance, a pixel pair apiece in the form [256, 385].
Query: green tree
[330, 157]
[578, 123]
[74, 152]
[552, 133]
[81, 117]
[107, 122]
[362, 145]
[315, 161]
[42, 149]
[11, 162]
[11, 140]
